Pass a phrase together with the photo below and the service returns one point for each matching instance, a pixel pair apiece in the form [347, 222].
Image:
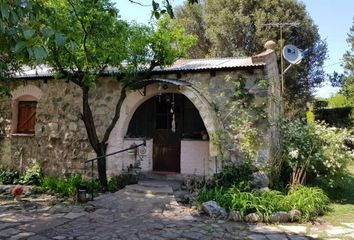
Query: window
[24, 108]
[26, 117]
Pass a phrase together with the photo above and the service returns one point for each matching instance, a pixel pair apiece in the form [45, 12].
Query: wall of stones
[218, 87]
[60, 143]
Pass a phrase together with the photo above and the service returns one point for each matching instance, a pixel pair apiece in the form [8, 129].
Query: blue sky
[333, 18]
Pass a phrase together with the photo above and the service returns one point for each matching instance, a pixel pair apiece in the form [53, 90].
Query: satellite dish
[292, 54]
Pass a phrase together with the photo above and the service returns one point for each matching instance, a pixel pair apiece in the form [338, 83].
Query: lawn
[343, 200]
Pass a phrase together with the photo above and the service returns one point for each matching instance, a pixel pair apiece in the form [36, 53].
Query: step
[154, 183]
[163, 190]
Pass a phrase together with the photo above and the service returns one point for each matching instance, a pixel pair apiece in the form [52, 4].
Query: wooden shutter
[26, 117]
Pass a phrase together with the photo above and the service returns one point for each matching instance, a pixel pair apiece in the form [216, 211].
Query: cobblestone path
[137, 213]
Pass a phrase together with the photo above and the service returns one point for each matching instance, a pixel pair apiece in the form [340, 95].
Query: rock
[294, 215]
[280, 216]
[254, 218]
[259, 180]
[213, 209]
[235, 216]
[89, 208]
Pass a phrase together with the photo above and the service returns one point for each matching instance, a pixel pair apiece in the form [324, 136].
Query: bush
[33, 176]
[63, 187]
[231, 175]
[313, 151]
[311, 202]
[9, 176]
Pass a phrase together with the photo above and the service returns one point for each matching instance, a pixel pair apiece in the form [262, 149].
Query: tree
[82, 40]
[348, 84]
[236, 28]
[15, 37]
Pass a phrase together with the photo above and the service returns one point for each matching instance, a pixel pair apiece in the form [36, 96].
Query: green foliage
[337, 117]
[170, 42]
[236, 28]
[240, 114]
[32, 176]
[348, 86]
[337, 101]
[312, 202]
[64, 187]
[9, 176]
[116, 183]
[315, 151]
[232, 175]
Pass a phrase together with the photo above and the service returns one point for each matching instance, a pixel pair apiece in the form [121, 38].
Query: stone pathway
[145, 211]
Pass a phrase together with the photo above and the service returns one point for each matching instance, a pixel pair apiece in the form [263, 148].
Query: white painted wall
[195, 157]
[121, 161]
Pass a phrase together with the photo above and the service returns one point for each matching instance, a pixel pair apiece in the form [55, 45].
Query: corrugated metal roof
[179, 65]
[209, 63]
[30, 72]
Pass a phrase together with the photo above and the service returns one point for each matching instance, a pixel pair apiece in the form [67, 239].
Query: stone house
[173, 111]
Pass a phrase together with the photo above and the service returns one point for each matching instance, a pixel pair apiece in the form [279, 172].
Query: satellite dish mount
[293, 55]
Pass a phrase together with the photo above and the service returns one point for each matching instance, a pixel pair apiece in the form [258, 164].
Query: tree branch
[135, 2]
[116, 116]
[87, 118]
[83, 28]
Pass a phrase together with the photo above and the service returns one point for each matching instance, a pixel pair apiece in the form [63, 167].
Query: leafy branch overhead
[83, 41]
[158, 10]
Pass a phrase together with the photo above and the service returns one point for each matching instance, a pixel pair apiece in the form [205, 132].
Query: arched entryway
[196, 156]
[168, 119]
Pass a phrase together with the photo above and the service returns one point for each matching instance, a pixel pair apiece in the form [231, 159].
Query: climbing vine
[243, 115]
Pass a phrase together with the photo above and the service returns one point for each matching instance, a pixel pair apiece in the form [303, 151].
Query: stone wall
[60, 142]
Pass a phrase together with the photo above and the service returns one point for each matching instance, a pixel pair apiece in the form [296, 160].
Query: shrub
[33, 176]
[311, 201]
[313, 150]
[114, 184]
[63, 187]
[231, 175]
[9, 176]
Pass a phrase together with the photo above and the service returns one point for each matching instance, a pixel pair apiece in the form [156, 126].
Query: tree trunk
[101, 167]
[98, 146]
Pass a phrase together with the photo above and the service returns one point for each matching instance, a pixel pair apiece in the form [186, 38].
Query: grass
[342, 200]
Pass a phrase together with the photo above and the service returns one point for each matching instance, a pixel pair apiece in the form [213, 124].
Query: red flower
[17, 191]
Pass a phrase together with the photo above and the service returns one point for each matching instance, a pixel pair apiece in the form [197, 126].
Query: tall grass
[311, 202]
[66, 187]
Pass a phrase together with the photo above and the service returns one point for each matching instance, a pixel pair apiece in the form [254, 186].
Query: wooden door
[167, 143]
[26, 117]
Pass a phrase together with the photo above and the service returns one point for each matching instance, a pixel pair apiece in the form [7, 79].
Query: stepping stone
[351, 225]
[332, 231]
[264, 229]
[9, 232]
[73, 215]
[256, 237]
[293, 229]
[298, 238]
[23, 235]
[154, 184]
[277, 236]
[149, 190]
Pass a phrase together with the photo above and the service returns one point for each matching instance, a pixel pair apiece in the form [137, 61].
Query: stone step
[154, 183]
[150, 190]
